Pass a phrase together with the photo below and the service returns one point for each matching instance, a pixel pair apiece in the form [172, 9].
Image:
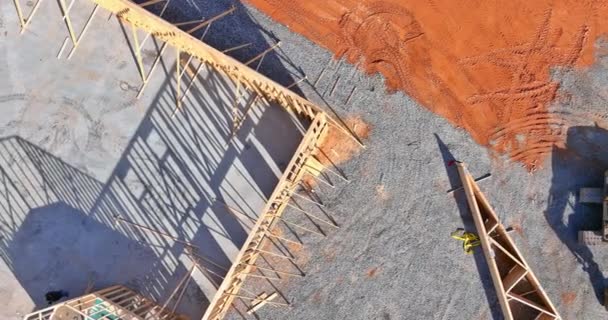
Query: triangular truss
[519, 292]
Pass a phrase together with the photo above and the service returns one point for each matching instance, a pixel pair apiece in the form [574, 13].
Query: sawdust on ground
[484, 66]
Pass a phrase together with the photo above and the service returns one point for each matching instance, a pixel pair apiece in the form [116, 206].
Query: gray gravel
[401, 234]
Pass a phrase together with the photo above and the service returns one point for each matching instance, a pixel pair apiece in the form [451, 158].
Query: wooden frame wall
[114, 301]
[302, 162]
[273, 210]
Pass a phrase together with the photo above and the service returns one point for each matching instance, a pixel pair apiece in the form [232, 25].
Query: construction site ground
[392, 258]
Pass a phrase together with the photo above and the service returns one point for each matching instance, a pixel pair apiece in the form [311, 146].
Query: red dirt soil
[338, 147]
[483, 65]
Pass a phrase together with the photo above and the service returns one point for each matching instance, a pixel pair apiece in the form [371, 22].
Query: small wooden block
[591, 195]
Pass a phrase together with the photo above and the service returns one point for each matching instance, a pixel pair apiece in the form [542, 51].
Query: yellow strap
[469, 240]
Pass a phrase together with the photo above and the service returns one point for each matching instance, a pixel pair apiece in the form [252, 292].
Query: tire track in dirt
[485, 68]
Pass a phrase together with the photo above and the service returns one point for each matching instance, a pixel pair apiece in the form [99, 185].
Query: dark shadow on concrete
[50, 237]
[580, 163]
[469, 225]
[58, 247]
[168, 178]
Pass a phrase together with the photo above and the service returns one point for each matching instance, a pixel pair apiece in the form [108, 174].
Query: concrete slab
[78, 149]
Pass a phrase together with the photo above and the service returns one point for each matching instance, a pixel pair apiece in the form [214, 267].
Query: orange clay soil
[483, 65]
[337, 147]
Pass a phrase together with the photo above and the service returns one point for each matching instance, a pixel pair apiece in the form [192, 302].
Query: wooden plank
[19, 13]
[209, 21]
[179, 285]
[276, 271]
[506, 252]
[529, 303]
[275, 254]
[490, 225]
[137, 51]
[261, 303]
[120, 219]
[84, 31]
[513, 277]
[149, 3]
[254, 299]
[31, 15]
[68, 22]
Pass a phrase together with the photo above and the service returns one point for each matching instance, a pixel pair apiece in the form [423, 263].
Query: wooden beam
[290, 223]
[513, 277]
[308, 214]
[272, 235]
[190, 250]
[530, 303]
[137, 51]
[275, 254]
[179, 24]
[119, 219]
[149, 3]
[261, 276]
[19, 14]
[68, 22]
[152, 68]
[207, 22]
[263, 53]
[276, 271]
[179, 285]
[236, 47]
[84, 31]
[30, 16]
[250, 298]
[178, 89]
[261, 303]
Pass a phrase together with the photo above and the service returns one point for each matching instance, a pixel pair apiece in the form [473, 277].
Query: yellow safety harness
[469, 240]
